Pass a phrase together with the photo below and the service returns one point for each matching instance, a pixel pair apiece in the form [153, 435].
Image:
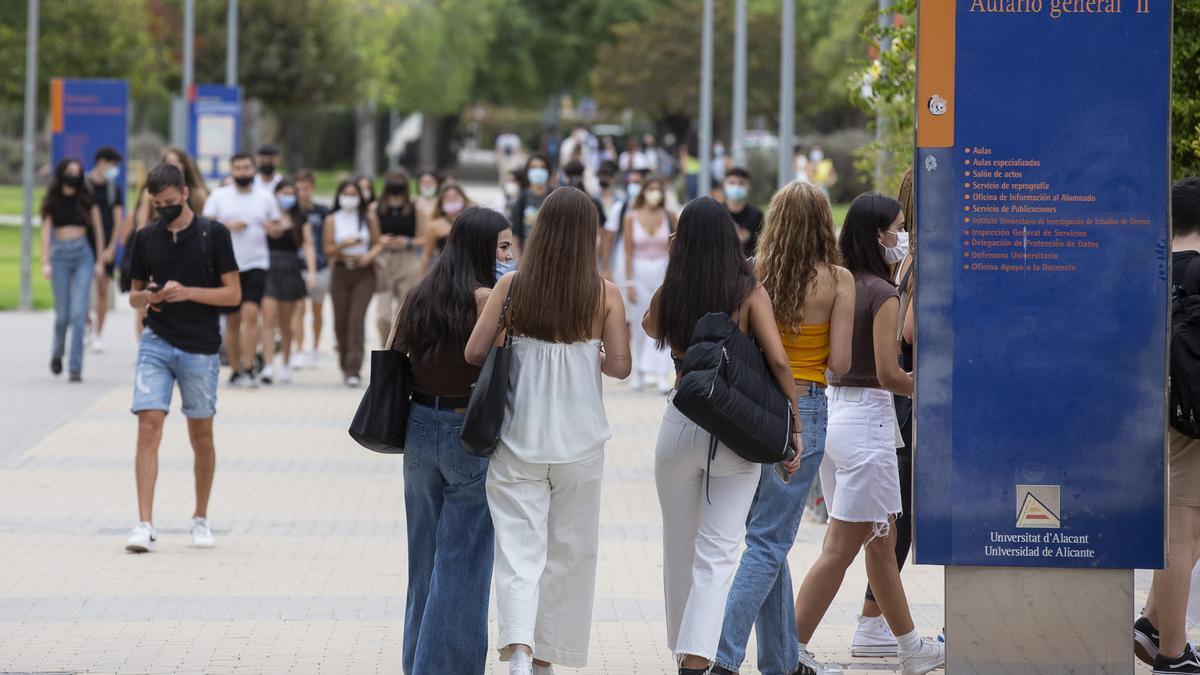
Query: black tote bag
[489, 394]
[381, 422]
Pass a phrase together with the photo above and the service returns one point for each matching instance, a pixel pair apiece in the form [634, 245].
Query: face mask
[348, 203]
[654, 197]
[72, 181]
[816, 155]
[604, 183]
[633, 190]
[504, 267]
[538, 176]
[897, 253]
[395, 189]
[428, 190]
[286, 202]
[511, 189]
[735, 193]
[267, 170]
[243, 181]
[112, 172]
[168, 214]
[451, 208]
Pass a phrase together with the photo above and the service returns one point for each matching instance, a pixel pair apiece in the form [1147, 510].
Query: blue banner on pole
[86, 115]
[1042, 176]
[215, 119]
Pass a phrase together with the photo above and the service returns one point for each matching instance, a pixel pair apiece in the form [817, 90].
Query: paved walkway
[309, 571]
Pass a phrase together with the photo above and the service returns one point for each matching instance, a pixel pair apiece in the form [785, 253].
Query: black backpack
[1185, 352]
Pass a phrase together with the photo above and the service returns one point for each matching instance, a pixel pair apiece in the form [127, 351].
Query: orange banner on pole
[935, 73]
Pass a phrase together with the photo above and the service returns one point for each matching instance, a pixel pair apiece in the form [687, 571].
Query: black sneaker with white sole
[1145, 640]
[1185, 663]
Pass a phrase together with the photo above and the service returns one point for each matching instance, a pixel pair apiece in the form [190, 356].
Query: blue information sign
[214, 114]
[1042, 220]
[86, 115]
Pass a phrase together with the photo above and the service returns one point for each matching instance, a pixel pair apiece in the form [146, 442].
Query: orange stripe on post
[56, 105]
[935, 73]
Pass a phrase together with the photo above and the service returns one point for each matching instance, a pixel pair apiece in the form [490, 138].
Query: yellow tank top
[808, 351]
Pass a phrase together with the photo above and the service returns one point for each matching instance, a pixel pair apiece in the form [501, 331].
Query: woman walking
[543, 485]
[69, 218]
[705, 498]
[286, 287]
[859, 474]
[351, 243]
[647, 229]
[449, 527]
[813, 299]
[399, 261]
[451, 201]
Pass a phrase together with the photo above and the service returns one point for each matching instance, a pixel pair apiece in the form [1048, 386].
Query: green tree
[1185, 103]
[886, 88]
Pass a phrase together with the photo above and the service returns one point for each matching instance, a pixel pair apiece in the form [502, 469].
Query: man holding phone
[182, 269]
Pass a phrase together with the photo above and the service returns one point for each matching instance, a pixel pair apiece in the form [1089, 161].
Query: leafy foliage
[886, 88]
[1185, 104]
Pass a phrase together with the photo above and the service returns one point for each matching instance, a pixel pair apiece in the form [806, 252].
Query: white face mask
[511, 189]
[654, 197]
[632, 190]
[816, 155]
[428, 190]
[112, 172]
[898, 252]
[348, 203]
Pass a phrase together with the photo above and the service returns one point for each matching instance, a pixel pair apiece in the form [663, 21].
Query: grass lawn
[10, 270]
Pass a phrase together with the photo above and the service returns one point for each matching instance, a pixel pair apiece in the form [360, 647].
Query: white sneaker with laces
[97, 345]
[285, 375]
[142, 539]
[520, 664]
[873, 638]
[202, 536]
[931, 655]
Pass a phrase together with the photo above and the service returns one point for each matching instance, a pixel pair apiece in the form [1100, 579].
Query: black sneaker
[56, 365]
[721, 670]
[1145, 640]
[235, 378]
[1186, 663]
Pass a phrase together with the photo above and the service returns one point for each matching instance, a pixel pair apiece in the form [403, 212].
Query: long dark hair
[439, 312]
[82, 200]
[870, 214]
[362, 201]
[560, 290]
[706, 272]
[293, 213]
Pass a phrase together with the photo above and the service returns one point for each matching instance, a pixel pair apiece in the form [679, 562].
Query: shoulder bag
[381, 422]
[489, 394]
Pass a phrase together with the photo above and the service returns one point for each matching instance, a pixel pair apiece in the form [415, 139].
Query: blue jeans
[71, 269]
[762, 590]
[449, 547]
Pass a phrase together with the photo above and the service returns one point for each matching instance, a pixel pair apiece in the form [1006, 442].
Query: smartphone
[781, 471]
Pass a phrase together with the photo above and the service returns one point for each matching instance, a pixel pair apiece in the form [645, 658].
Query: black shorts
[254, 283]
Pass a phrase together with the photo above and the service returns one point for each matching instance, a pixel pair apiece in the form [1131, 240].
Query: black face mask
[72, 180]
[395, 188]
[243, 181]
[169, 214]
[267, 169]
[604, 183]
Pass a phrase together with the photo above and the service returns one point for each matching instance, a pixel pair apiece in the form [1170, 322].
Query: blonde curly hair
[796, 240]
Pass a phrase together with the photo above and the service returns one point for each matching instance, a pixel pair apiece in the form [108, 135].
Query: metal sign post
[29, 157]
[1042, 215]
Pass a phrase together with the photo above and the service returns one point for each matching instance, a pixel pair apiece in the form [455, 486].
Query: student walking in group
[873, 637]
[646, 231]
[399, 259]
[543, 484]
[183, 268]
[314, 214]
[706, 495]
[106, 195]
[351, 243]
[813, 299]
[249, 213]
[450, 533]
[428, 184]
[859, 473]
[525, 209]
[451, 201]
[69, 219]
[286, 286]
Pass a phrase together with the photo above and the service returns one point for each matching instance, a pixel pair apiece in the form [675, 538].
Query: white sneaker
[353, 381]
[285, 375]
[809, 659]
[97, 345]
[314, 359]
[520, 664]
[142, 539]
[248, 380]
[202, 536]
[873, 638]
[299, 360]
[267, 376]
[931, 655]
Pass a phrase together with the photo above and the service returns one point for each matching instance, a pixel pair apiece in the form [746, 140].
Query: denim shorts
[160, 366]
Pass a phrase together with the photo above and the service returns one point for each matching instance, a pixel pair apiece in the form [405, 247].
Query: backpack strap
[1191, 277]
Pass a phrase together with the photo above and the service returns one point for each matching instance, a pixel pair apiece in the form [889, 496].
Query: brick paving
[308, 574]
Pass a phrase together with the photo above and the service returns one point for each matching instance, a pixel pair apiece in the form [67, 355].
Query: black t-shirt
[316, 219]
[751, 220]
[100, 194]
[524, 213]
[397, 221]
[196, 256]
[1179, 264]
[286, 242]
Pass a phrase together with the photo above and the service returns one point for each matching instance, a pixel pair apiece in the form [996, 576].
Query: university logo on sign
[1037, 506]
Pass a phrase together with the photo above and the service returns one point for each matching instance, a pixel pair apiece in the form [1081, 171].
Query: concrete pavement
[308, 575]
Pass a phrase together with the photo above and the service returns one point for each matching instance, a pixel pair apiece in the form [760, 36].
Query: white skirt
[860, 476]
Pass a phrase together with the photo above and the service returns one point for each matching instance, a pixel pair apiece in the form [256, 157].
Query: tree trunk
[366, 146]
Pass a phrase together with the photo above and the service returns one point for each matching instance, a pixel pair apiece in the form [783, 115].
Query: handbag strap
[504, 315]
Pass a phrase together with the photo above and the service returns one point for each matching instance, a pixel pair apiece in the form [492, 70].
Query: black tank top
[398, 221]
